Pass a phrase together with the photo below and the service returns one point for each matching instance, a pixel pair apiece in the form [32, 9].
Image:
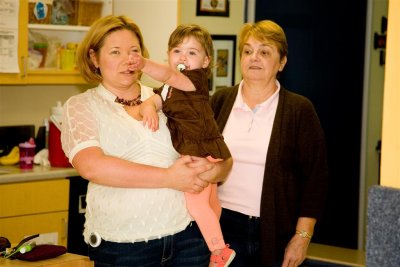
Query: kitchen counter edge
[13, 174]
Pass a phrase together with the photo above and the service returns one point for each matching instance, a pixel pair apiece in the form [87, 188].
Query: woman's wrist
[304, 234]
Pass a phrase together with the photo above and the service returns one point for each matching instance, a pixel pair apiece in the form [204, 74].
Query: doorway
[326, 64]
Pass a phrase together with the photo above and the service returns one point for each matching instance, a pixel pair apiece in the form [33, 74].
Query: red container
[57, 157]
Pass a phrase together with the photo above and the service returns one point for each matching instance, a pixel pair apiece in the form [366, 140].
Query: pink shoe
[224, 258]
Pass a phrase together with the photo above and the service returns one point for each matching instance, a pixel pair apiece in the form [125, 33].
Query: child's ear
[206, 62]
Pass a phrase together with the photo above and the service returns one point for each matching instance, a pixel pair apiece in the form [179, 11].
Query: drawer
[16, 228]
[34, 197]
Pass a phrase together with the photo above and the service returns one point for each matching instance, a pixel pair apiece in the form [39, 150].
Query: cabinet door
[36, 197]
[20, 78]
[16, 228]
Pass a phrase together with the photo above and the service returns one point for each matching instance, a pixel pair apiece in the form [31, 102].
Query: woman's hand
[184, 174]
[296, 251]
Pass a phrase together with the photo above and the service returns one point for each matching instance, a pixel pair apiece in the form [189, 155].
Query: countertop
[13, 174]
[65, 260]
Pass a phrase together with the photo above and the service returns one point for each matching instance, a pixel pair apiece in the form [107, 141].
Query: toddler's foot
[222, 257]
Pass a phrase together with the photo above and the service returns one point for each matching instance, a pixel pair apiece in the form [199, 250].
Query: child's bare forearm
[161, 72]
[153, 102]
[168, 75]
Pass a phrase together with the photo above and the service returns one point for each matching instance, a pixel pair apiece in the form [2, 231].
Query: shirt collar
[240, 104]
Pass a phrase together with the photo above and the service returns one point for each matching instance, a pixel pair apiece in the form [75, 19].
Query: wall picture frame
[212, 8]
[223, 70]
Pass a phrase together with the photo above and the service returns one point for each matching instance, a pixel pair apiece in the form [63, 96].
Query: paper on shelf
[9, 11]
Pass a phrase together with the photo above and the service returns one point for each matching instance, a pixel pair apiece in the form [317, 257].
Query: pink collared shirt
[247, 134]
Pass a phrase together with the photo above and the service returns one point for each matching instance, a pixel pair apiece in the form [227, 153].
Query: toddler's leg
[205, 217]
[214, 201]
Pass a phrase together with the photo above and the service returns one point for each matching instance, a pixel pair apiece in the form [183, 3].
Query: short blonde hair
[95, 38]
[265, 31]
[198, 32]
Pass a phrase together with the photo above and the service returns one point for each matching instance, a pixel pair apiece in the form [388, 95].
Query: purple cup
[26, 154]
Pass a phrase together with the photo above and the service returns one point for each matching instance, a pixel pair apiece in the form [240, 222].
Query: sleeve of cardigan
[312, 162]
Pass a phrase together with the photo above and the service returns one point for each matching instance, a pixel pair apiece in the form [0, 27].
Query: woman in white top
[136, 212]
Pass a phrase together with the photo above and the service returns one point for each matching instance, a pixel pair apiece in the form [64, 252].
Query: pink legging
[205, 209]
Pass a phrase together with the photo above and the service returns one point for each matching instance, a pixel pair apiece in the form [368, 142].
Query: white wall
[390, 172]
[156, 19]
[216, 25]
[30, 104]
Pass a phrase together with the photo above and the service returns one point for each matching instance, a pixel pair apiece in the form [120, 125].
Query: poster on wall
[9, 10]
[223, 71]
[212, 8]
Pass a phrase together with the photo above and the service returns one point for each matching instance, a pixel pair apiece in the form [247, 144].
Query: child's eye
[176, 51]
[192, 53]
[115, 52]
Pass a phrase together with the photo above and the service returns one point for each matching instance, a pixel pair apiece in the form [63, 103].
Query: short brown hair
[265, 31]
[94, 39]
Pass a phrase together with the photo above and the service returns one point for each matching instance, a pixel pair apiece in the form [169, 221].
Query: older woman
[136, 213]
[276, 190]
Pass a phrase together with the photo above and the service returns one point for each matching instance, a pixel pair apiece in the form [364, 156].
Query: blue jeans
[242, 233]
[184, 249]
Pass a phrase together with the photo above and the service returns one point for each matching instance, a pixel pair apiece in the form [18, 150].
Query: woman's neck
[127, 93]
[255, 93]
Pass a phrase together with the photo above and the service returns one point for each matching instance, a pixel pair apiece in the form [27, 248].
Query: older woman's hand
[296, 251]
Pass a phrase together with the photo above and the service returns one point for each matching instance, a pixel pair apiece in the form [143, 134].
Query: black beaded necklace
[133, 102]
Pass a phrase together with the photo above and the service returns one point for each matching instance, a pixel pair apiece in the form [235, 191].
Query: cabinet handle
[24, 66]
[64, 233]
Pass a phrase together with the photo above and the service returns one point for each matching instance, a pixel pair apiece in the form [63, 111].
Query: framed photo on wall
[212, 8]
[223, 71]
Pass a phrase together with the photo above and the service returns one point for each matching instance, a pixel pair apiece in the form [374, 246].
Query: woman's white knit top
[123, 214]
